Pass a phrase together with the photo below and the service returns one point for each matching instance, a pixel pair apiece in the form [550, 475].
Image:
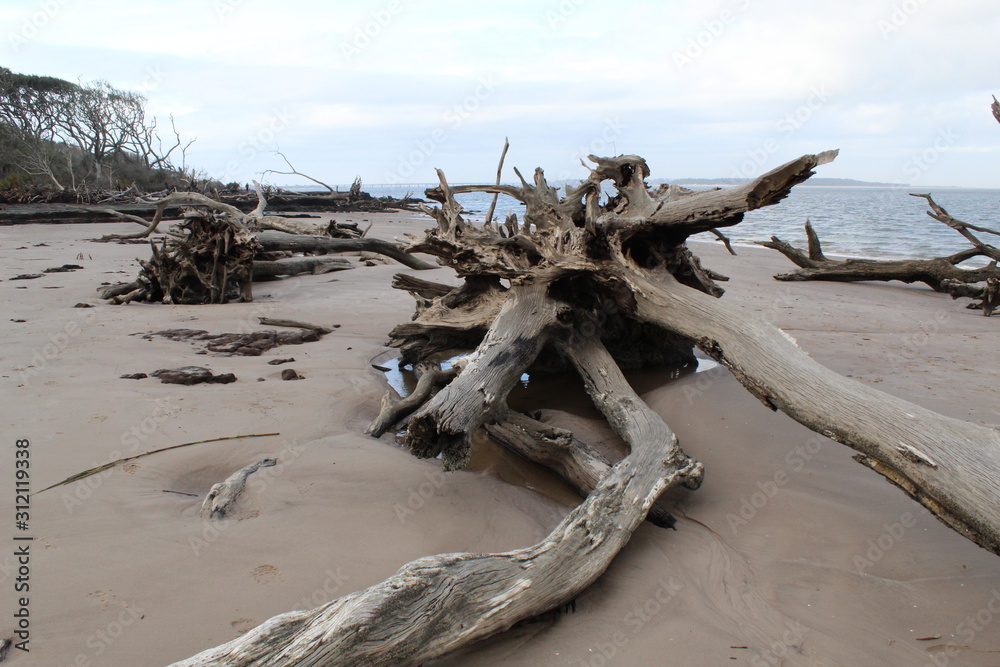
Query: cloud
[699, 87]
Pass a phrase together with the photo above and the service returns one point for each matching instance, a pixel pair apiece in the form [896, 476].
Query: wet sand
[790, 553]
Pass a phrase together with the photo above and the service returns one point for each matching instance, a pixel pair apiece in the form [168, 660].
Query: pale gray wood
[947, 465]
[223, 495]
[436, 604]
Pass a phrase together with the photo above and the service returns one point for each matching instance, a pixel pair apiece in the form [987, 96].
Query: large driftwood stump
[598, 287]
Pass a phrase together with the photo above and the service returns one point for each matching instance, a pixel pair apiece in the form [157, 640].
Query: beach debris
[181, 493]
[235, 344]
[93, 471]
[942, 274]
[27, 276]
[278, 362]
[64, 268]
[210, 256]
[189, 375]
[223, 495]
[133, 376]
[84, 305]
[295, 324]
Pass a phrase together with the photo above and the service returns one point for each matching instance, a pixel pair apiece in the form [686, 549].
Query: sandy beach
[790, 553]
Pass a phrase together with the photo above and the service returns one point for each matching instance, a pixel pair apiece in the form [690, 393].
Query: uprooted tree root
[598, 287]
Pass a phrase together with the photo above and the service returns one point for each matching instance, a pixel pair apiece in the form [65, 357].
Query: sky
[389, 90]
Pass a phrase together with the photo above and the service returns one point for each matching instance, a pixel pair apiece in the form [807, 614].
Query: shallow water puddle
[549, 391]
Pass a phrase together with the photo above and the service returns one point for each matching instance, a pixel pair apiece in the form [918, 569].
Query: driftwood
[598, 287]
[212, 257]
[942, 274]
[223, 495]
[436, 604]
[392, 411]
[271, 241]
[212, 262]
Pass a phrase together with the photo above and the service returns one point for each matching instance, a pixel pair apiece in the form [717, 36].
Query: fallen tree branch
[271, 241]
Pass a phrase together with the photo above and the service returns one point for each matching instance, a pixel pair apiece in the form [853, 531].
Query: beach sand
[790, 553]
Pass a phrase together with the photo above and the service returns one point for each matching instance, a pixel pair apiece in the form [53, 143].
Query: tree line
[69, 140]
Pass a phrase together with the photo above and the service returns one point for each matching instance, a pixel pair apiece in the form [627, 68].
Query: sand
[790, 553]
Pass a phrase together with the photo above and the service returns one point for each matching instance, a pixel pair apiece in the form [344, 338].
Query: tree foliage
[58, 136]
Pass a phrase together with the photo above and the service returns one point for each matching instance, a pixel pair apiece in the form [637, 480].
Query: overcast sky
[389, 90]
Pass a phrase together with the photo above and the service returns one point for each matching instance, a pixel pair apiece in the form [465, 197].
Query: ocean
[873, 222]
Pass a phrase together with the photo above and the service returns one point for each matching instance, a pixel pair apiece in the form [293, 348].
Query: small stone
[134, 376]
[278, 362]
[83, 305]
[290, 374]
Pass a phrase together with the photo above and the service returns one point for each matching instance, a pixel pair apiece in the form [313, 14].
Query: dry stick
[493, 204]
[294, 324]
[102, 468]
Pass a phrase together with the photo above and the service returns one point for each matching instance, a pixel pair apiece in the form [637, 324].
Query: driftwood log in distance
[271, 241]
[599, 286]
[293, 266]
[942, 274]
[439, 603]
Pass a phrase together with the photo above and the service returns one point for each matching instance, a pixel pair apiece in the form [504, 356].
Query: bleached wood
[438, 603]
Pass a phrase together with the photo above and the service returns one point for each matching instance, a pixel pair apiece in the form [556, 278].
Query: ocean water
[874, 222]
